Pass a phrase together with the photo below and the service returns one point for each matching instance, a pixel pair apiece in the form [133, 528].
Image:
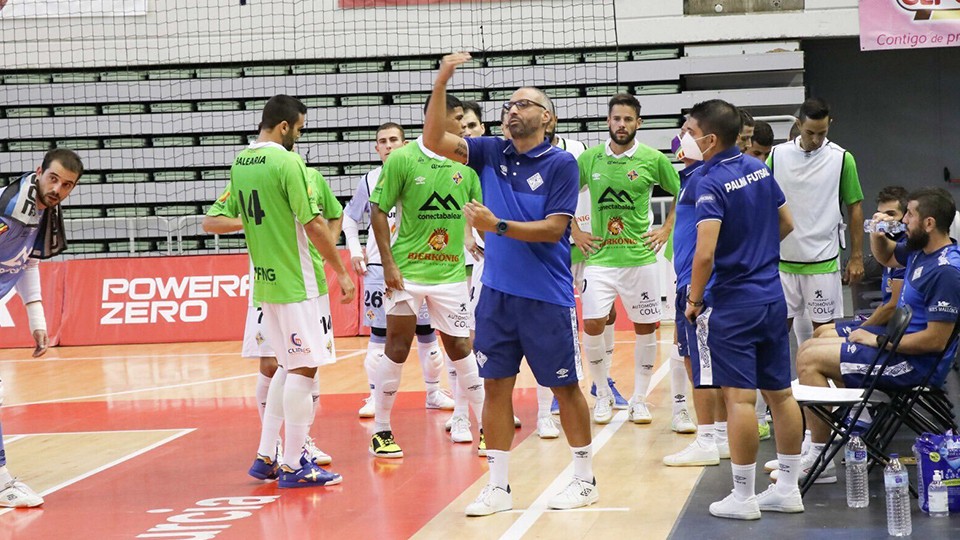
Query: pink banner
[909, 24]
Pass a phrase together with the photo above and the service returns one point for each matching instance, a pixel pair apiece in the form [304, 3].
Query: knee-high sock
[370, 361]
[608, 342]
[544, 400]
[315, 395]
[431, 361]
[468, 377]
[461, 406]
[803, 329]
[3, 453]
[387, 385]
[272, 415]
[644, 357]
[263, 386]
[678, 380]
[297, 416]
[595, 351]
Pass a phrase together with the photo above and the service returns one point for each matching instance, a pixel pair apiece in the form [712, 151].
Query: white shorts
[446, 303]
[254, 341]
[475, 287]
[819, 296]
[637, 286]
[577, 270]
[373, 289]
[301, 333]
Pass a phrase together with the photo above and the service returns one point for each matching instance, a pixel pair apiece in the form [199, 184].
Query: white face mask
[691, 150]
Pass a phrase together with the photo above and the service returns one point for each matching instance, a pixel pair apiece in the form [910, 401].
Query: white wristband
[35, 317]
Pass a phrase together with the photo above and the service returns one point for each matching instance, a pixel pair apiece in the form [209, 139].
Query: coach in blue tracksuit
[741, 218]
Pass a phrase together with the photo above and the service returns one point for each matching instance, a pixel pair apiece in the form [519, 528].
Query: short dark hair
[452, 103]
[719, 118]
[281, 108]
[762, 133]
[937, 203]
[68, 159]
[894, 193]
[624, 99]
[746, 119]
[814, 108]
[473, 107]
[391, 125]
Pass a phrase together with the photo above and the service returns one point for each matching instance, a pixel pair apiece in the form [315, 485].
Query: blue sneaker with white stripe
[308, 475]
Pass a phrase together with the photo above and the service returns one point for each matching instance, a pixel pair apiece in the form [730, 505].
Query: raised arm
[435, 137]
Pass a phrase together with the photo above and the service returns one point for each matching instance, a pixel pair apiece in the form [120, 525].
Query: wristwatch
[501, 228]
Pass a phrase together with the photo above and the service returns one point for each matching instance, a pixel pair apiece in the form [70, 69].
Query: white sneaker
[491, 500]
[314, 454]
[694, 455]
[603, 410]
[547, 428]
[772, 465]
[578, 493]
[16, 494]
[723, 448]
[828, 476]
[369, 409]
[449, 423]
[772, 500]
[438, 399]
[460, 430]
[682, 424]
[639, 413]
[731, 508]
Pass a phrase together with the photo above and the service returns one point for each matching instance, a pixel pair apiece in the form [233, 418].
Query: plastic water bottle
[884, 226]
[858, 490]
[937, 496]
[896, 481]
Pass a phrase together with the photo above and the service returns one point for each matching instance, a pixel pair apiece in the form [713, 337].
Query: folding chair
[832, 405]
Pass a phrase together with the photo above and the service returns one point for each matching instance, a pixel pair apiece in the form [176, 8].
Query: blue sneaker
[619, 403]
[264, 468]
[308, 475]
[554, 407]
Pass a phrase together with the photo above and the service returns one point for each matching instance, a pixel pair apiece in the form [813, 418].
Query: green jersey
[429, 192]
[327, 203]
[620, 189]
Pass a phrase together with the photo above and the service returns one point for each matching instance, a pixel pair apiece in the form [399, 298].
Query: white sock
[761, 409]
[499, 462]
[468, 377]
[803, 329]
[608, 342]
[263, 385]
[706, 435]
[431, 362]
[6, 477]
[789, 472]
[644, 357]
[744, 481]
[297, 416]
[272, 415]
[807, 441]
[315, 395]
[388, 383]
[816, 449]
[678, 380]
[370, 361]
[544, 400]
[594, 351]
[583, 462]
[720, 428]
[461, 406]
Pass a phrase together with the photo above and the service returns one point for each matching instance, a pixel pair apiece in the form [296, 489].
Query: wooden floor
[129, 441]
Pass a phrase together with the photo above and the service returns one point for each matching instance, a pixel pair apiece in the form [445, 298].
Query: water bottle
[896, 481]
[890, 227]
[937, 503]
[858, 490]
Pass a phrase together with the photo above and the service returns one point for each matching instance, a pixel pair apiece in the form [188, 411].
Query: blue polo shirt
[685, 225]
[740, 192]
[526, 187]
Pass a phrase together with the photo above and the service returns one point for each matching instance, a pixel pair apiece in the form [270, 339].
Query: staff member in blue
[31, 228]
[526, 307]
[742, 216]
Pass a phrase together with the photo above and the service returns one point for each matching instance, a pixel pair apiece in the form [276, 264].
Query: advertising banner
[909, 24]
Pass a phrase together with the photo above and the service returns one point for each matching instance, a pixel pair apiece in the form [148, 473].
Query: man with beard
[31, 229]
[931, 289]
[620, 175]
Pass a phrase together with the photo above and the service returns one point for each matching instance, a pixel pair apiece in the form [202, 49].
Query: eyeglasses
[521, 104]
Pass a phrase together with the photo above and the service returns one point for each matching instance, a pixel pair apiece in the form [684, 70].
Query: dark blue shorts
[510, 328]
[904, 371]
[686, 333]
[844, 327]
[743, 347]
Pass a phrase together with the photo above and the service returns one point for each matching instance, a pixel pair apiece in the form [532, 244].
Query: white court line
[539, 506]
[152, 388]
[587, 509]
[139, 357]
[11, 438]
[113, 463]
